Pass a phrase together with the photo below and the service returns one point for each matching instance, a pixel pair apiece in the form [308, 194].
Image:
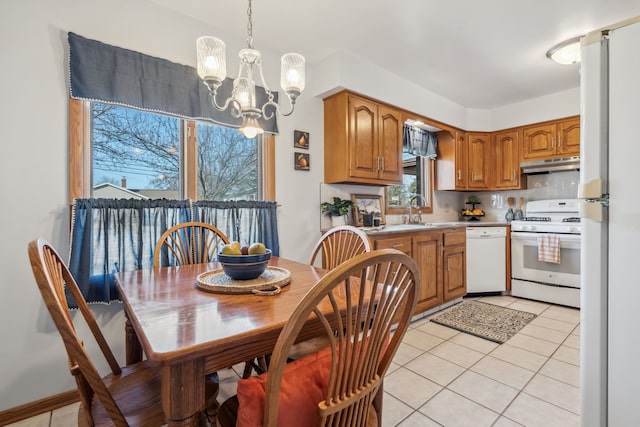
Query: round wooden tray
[268, 283]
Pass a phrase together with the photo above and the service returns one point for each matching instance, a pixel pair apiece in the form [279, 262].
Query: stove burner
[571, 219]
[537, 218]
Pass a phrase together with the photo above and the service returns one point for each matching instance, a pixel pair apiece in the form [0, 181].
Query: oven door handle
[533, 237]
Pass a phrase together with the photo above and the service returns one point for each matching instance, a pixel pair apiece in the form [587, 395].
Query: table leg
[133, 348]
[183, 393]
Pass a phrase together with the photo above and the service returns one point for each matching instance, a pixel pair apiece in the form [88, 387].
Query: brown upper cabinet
[362, 141]
[464, 161]
[479, 159]
[451, 166]
[559, 138]
[363, 145]
[507, 159]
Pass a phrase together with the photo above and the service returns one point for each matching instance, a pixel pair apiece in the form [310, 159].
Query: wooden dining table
[188, 332]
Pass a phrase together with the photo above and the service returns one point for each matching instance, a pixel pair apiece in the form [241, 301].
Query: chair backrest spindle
[339, 245]
[189, 243]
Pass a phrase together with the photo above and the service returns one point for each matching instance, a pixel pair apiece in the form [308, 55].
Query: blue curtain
[244, 221]
[113, 75]
[113, 235]
[419, 142]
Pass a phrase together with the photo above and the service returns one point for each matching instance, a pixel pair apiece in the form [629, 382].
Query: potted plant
[337, 210]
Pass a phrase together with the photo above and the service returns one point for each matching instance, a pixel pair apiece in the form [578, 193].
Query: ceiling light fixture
[566, 52]
[212, 69]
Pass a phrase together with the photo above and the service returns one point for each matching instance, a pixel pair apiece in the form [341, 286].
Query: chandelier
[212, 69]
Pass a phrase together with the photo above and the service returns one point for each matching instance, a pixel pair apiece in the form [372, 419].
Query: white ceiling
[477, 53]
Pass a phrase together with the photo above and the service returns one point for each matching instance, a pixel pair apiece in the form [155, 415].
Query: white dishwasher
[486, 259]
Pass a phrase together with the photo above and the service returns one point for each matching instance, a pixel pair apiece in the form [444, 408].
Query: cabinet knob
[397, 245]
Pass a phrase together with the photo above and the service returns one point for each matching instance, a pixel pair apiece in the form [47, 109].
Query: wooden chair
[339, 245]
[128, 396]
[190, 243]
[195, 243]
[362, 300]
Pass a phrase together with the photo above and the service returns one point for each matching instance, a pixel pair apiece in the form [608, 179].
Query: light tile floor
[442, 377]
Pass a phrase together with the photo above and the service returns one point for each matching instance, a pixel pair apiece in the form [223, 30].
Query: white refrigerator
[610, 248]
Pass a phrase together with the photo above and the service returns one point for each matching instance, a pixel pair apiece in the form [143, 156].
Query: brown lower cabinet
[440, 255]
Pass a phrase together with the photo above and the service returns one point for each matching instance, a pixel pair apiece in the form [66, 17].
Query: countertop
[408, 228]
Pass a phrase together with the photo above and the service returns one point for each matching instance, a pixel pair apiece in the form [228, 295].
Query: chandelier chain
[250, 26]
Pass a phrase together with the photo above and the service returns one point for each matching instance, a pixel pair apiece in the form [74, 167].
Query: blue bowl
[244, 267]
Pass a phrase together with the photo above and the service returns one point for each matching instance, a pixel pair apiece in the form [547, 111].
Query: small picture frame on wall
[301, 139]
[301, 161]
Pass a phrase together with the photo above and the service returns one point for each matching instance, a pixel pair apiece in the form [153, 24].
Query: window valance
[419, 142]
[110, 74]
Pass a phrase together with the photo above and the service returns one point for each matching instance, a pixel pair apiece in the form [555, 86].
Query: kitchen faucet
[418, 218]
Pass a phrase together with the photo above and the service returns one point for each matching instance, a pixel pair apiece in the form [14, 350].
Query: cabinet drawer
[403, 244]
[455, 238]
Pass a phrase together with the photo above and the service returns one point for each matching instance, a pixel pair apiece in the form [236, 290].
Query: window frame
[80, 156]
[428, 195]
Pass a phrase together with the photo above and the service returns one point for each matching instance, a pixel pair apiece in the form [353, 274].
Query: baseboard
[38, 407]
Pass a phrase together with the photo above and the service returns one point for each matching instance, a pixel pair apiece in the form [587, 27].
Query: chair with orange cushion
[128, 396]
[339, 245]
[356, 306]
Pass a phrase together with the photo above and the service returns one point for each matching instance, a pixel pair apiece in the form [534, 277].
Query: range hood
[551, 165]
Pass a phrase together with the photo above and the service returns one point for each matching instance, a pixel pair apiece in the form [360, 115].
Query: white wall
[34, 162]
[549, 107]
[34, 168]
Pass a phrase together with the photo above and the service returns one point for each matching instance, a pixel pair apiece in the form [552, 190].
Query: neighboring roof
[106, 190]
[159, 194]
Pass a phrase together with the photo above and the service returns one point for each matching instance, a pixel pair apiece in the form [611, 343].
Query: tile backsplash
[447, 205]
[557, 185]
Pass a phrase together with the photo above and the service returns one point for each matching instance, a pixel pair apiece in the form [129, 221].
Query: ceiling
[476, 53]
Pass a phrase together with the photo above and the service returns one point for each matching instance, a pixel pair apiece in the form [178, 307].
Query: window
[119, 152]
[416, 180]
[227, 164]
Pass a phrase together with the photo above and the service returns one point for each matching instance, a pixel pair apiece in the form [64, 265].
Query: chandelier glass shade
[212, 69]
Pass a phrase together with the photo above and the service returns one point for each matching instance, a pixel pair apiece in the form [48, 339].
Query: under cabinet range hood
[551, 165]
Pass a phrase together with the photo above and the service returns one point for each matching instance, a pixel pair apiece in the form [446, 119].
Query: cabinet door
[363, 138]
[461, 161]
[539, 142]
[507, 158]
[479, 160]
[426, 250]
[390, 144]
[569, 137]
[454, 268]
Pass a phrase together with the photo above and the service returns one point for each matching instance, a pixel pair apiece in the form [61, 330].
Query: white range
[535, 278]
